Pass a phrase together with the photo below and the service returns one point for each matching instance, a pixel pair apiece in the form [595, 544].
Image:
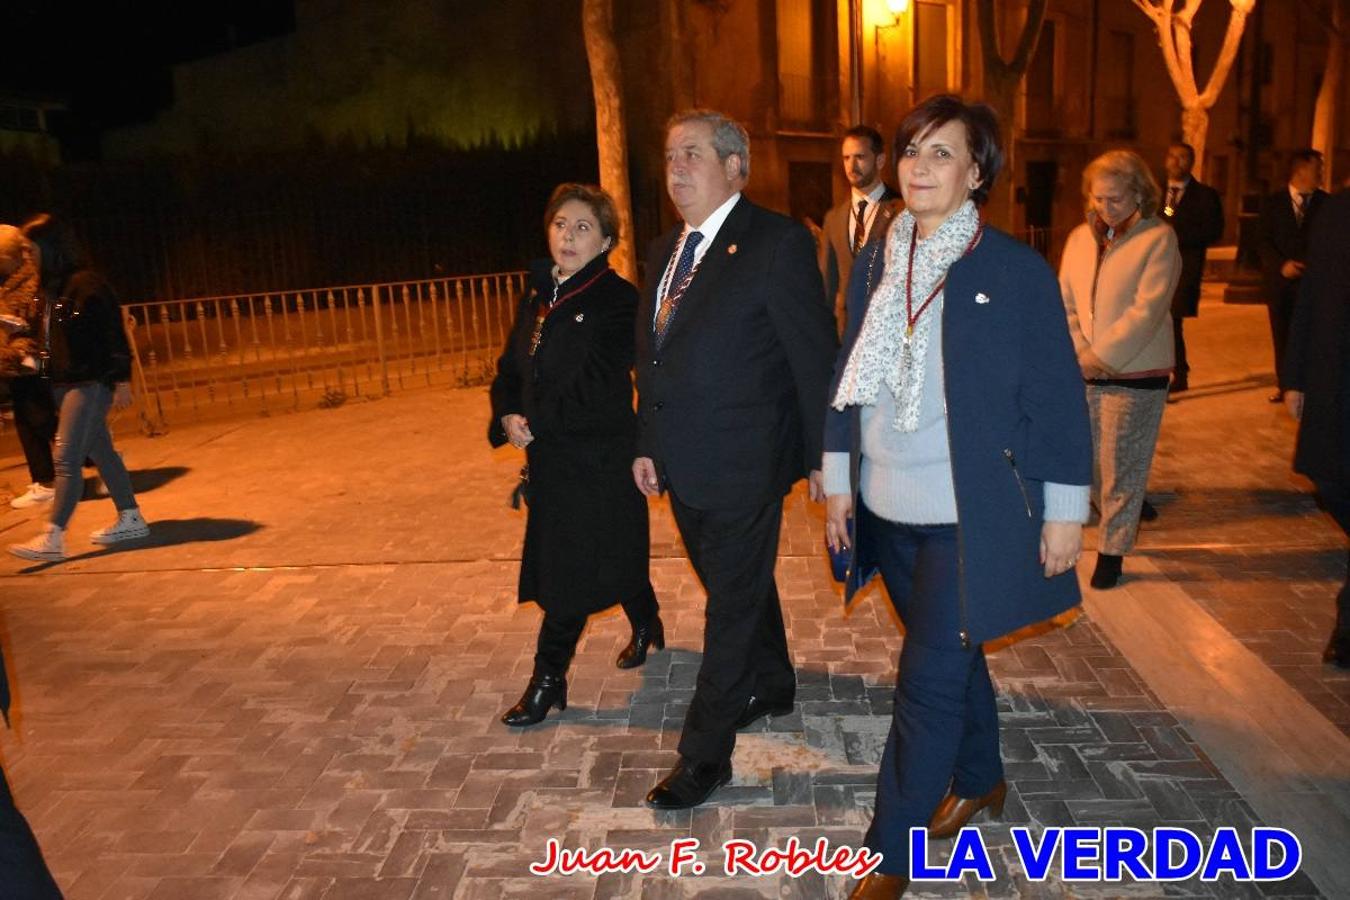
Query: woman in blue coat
[958, 442]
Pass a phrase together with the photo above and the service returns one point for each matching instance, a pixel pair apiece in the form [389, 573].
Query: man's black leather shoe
[635, 654]
[689, 784]
[542, 694]
[756, 709]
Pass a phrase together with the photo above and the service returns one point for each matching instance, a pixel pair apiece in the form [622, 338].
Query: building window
[1117, 79]
[932, 35]
[20, 118]
[806, 38]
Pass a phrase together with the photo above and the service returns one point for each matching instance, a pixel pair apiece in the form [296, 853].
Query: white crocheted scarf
[883, 353]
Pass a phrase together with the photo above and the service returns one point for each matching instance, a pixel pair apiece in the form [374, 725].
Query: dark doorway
[1042, 176]
[809, 190]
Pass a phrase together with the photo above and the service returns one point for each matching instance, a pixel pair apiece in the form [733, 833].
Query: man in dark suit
[1195, 211]
[859, 220]
[1286, 216]
[735, 347]
[1315, 378]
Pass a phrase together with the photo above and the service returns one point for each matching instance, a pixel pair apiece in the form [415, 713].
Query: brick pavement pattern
[291, 690]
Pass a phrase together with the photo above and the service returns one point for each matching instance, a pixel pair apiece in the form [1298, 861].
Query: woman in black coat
[564, 393]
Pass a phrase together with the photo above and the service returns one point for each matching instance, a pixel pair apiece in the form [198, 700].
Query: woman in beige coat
[1117, 276]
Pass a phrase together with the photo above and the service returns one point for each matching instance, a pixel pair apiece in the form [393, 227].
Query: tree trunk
[1174, 39]
[1328, 97]
[611, 135]
[1195, 131]
[1002, 78]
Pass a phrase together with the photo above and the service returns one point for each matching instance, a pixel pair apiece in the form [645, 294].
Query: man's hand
[1293, 402]
[517, 429]
[644, 476]
[1292, 269]
[122, 396]
[838, 507]
[1061, 542]
[815, 486]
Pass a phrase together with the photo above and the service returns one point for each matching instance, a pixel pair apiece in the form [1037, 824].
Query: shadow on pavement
[165, 533]
[142, 481]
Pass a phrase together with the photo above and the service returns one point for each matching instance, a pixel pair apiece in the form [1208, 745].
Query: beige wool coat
[1120, 307]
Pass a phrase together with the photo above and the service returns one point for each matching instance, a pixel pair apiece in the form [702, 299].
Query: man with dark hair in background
[1195, 211]
[1286, 217]
[859, 220]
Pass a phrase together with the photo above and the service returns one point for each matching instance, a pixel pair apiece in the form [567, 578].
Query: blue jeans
[944, 730]
[82, 433]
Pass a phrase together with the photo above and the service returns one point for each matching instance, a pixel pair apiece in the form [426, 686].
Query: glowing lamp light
[897, 7]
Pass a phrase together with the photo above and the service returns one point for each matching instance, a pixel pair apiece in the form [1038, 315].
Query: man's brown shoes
[877, 886]
[954, 812]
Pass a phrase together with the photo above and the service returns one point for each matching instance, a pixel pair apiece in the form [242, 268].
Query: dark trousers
[559, 634]
[1336, 498]
[745, 648]
[1280, 308]
[1183, 368]
[35, 421]
[944, 730]
[23, 872]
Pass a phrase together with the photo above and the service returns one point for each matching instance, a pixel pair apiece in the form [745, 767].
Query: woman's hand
[1293, 401]
[122, 396]
[517, 429]
[838, 507]
[1061, 542]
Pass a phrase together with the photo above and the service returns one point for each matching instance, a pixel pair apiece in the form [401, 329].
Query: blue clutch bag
[839, 559]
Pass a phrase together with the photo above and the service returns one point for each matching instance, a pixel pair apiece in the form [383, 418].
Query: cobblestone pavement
[291, 690]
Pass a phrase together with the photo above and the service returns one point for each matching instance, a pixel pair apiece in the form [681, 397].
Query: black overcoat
[1318, 354]
[586, 539]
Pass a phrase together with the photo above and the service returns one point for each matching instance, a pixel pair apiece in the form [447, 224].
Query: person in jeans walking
[29, 394]
[86, 357]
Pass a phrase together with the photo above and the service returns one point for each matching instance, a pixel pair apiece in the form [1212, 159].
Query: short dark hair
[600, 202]
[1190, 151]
[60, 253]
[982, 134]
[1303, 157]
[866, 133]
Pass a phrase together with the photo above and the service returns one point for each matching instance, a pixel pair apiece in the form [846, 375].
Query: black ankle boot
[635, 654]
[542, 694]
[1107, 573]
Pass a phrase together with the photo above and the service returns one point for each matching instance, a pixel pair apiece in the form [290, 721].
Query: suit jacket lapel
[710, 269]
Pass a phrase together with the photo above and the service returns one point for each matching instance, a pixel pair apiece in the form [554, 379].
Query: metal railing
[264, 353]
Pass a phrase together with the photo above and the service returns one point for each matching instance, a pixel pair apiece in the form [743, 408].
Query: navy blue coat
[1016, 418]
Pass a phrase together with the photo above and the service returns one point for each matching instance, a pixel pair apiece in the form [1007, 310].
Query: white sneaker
[35, 495]
[128, 527]
[50, 546]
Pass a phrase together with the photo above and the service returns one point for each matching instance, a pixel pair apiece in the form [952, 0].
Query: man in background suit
[859, 220]
[1286, 216]
[735, 348]
[1195, 211]
[1316, 377]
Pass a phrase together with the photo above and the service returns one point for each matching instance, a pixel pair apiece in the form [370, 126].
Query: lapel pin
[731, 251]
[581, 317]
[981, 298]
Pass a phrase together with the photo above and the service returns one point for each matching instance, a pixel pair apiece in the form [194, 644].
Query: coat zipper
[1021, 485]
[964, 632]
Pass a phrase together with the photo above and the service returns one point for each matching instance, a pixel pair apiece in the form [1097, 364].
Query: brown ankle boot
[954, 812]
[877, 886]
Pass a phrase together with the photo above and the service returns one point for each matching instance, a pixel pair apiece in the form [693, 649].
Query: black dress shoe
[1148, 512]
[689, 784]
[542, 694]
[757, 708]
[1338, 651]
[1107, 573]
[635, 654]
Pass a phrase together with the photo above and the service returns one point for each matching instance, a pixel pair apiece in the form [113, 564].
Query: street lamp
[897, 8]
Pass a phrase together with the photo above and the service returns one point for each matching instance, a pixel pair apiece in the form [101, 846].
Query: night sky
[109, 60]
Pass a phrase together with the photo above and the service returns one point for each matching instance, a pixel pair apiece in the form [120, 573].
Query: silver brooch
[580, 317]
[981, 297]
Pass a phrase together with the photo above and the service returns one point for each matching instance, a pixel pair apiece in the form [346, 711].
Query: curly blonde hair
[1132, 171]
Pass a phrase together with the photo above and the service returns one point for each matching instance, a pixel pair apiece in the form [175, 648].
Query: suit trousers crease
[944, 728]
[1280, 310]
[745, 649]
[1125, 424]
[560, 633]
[1181, 367]
[1335, 497]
